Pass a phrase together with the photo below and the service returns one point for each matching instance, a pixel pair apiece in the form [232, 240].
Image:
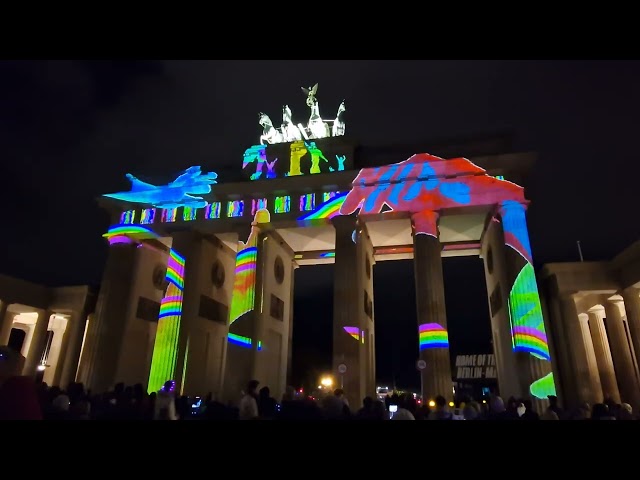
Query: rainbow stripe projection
[354, 332]
[189, 213]
[307, 202]
[212, 211]
[527, 324]
[147, 216]
[235, 208]
[327, 209]
[128, 217]
[244, 284]
[165, 349]
[543, 387]
[169, 215]
[433, 335]
[282, 204]
[258, 204]
[327, 254]
[128, 234]
[239, 340]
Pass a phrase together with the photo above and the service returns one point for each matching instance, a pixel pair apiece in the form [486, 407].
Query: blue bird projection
[179, 193]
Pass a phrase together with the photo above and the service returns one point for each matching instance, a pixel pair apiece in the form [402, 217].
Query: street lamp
[326, 382]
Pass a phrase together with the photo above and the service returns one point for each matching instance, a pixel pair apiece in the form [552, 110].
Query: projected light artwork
[432, 335]
[328, 209]
[244, 285]
[282, 204]
[353, 331]
[328, 255]
[212, 211]
[258, 204]
[165, 349]
[128, 234]
[239, 340]
[128, 217]
[307, 202]
[235, 208]
[316, 155]
[147, 216]
[179, 193]
[258, 155]
[420, 184]
[169, 215]
[527, 324]
[543, 387]
[189, 214]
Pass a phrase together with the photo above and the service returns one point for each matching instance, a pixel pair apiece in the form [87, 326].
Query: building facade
[594, 312]
[46, 326]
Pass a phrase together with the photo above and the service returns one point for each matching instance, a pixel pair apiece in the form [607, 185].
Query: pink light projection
[353, 331]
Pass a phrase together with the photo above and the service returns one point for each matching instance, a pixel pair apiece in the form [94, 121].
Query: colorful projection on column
[514, 225]
[353, 331]
[328, 209]
[426, 182]
[179, 193]
[239, 340]
[282, 204]
[543, 387]
[165, 349]
[527, 324]
[432, 335]
[244, 285]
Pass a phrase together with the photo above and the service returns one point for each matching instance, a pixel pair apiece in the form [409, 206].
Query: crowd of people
[22, 399]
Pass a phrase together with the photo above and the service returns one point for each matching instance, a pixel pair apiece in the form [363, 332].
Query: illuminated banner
[475, 367]
[302, 157]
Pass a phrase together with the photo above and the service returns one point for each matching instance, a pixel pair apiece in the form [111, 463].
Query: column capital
[596, 312]
[511, 205]
[425, 222]
[344, 222]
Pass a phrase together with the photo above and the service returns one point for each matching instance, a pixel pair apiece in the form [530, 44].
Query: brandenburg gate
[198, 285]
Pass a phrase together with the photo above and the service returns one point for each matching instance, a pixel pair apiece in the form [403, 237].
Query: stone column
[528, 330]
[294, 266]
[621, 353]
[430, 303]
[36, 349]
[5, 323]
[70, 352]
[586, 390]
[105, 333]
[592, 364]
[603, 355]
[346, 311]
[631, 297]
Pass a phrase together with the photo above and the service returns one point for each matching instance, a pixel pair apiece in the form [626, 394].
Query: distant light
[484, 401]
[432, 403]
[326, 382]
[41, 368]
[451, 404]
[319, 386]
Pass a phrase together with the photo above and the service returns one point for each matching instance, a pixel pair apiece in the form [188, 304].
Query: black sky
[70, 130]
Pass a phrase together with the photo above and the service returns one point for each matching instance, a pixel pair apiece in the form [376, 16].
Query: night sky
[70, 130]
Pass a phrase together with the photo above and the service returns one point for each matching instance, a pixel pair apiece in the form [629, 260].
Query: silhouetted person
[248, 408]
[267, 405]
[366, 412]
[441, 411]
